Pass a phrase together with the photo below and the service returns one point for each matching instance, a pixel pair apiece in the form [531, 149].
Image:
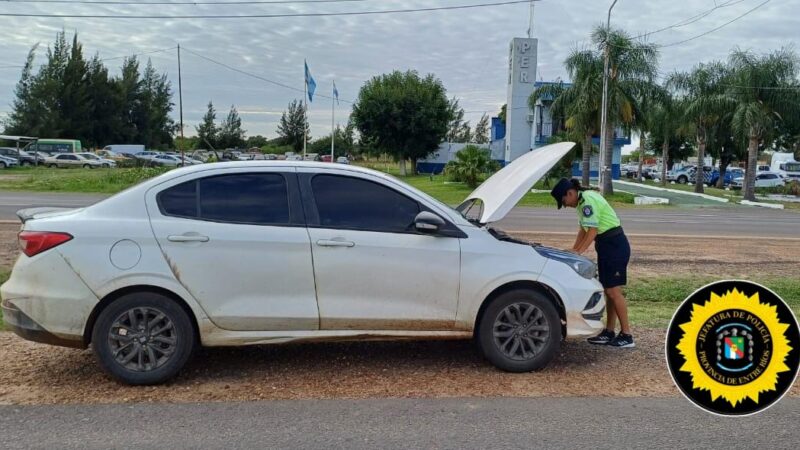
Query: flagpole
[333, 113]
[305, 111]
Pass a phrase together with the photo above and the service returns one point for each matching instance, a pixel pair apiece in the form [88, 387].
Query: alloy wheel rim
[142, 339]
[521, 331]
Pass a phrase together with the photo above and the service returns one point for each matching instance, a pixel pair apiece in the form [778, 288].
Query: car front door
[236, 240]
[373, 271]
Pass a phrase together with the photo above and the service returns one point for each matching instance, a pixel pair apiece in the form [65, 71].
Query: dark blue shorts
[613, 255]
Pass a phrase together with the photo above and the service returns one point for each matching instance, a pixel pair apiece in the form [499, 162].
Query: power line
[252, 75]
[182, 3]
[266, 16]
[672, 44]
[691, 20]
[107, 59]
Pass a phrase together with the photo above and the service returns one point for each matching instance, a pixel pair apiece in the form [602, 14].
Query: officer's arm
[588, 238]
[581, 234]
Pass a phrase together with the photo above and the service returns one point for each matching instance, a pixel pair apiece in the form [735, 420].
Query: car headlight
[579, 264]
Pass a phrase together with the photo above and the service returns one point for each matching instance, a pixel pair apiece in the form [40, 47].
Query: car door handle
[187, 238]
[335, 243]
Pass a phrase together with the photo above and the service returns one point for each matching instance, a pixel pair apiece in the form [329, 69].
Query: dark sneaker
[622, 341]
[603, 338]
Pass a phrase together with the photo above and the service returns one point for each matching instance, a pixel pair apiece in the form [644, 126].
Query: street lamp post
[603, 170]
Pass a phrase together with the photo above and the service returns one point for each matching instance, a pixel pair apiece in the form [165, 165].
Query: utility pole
[603, 170]
[180, 103]
[305, 112]
[333, 114]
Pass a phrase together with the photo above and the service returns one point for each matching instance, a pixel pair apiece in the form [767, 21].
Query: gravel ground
[39, 374]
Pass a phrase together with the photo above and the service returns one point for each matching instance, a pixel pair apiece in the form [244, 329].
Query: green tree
[207, 132]
[256, 141]
[231, 134]
[666, 124]
[293, 126]
[26, 114]
[403, 114]
[577, 104]
[472, 163]
[503, 112]
[632, 68]
[765, 90]
[481, 134]
[702, 93]
[455, 129]
[342, 145]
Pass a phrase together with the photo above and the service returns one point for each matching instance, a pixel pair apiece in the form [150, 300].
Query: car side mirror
[428, 222]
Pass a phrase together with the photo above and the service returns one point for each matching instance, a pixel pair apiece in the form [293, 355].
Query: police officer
[600, 224]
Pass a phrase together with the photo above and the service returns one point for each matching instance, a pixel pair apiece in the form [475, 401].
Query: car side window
[246, 198]
[354, 203]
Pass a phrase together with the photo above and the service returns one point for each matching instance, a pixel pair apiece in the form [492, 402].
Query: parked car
[107, 163]
[72, 160]
[730, 174]
[22, 157]
[124, 148]
[342, 160]
[7, 161]
[112, 155]
[326, 158]
[312, 157]
[708, 175]
[763, 179]
[253, 253]
[147, 155]
[680, 176]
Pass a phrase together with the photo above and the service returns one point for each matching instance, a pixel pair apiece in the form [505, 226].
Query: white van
[125, 148]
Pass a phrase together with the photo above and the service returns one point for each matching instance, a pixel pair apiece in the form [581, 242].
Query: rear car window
[353, 203]
[260, 199]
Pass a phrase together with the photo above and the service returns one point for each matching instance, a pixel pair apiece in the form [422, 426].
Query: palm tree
[577, 103]
[765, 90]
[632, 69]
[471, 163]
[666, 118]
[702, 91]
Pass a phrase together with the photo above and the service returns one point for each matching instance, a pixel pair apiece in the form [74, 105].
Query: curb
[762, 205]
[674, 191]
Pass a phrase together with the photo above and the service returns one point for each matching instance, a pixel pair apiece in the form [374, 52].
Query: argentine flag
[335, 93]
[311, 85]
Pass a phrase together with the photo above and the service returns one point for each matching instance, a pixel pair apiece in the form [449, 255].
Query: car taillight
[34, 242]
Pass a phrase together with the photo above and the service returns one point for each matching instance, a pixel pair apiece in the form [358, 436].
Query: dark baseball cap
[560, 190]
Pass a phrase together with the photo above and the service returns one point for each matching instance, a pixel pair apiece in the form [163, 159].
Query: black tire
[144, 304]
[490, 345]
[53, 166]
[26, 164]
[682, 179]
[2, 165]
[87, 166]
[106, 165]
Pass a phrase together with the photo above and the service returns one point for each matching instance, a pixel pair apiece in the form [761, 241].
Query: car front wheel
[143, 338]
[682, 180]
[520, 331]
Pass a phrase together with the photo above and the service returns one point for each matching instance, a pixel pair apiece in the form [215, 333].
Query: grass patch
[107, 181]
[653, 301]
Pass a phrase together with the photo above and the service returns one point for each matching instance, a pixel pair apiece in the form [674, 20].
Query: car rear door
[373, 271]
[236, 240]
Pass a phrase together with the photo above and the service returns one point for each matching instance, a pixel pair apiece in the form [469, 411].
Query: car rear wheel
[2, 165]
[682, 179]
[53, 166]
[520, 331]
[143, 338]
[26, 164]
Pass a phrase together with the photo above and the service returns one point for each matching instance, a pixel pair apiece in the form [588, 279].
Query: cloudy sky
[466, 48]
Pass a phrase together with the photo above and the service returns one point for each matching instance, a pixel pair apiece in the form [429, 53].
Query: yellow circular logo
[733, 348]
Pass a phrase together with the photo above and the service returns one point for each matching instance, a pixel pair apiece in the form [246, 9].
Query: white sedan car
[763, 179]
[253, 253]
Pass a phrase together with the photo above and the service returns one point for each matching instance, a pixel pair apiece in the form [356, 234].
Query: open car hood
[506, 188]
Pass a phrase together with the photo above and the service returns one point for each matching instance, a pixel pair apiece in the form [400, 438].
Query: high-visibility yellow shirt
[595, 212]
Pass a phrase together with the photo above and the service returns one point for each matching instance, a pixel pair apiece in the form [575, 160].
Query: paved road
[401, 423]
[706, 221]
